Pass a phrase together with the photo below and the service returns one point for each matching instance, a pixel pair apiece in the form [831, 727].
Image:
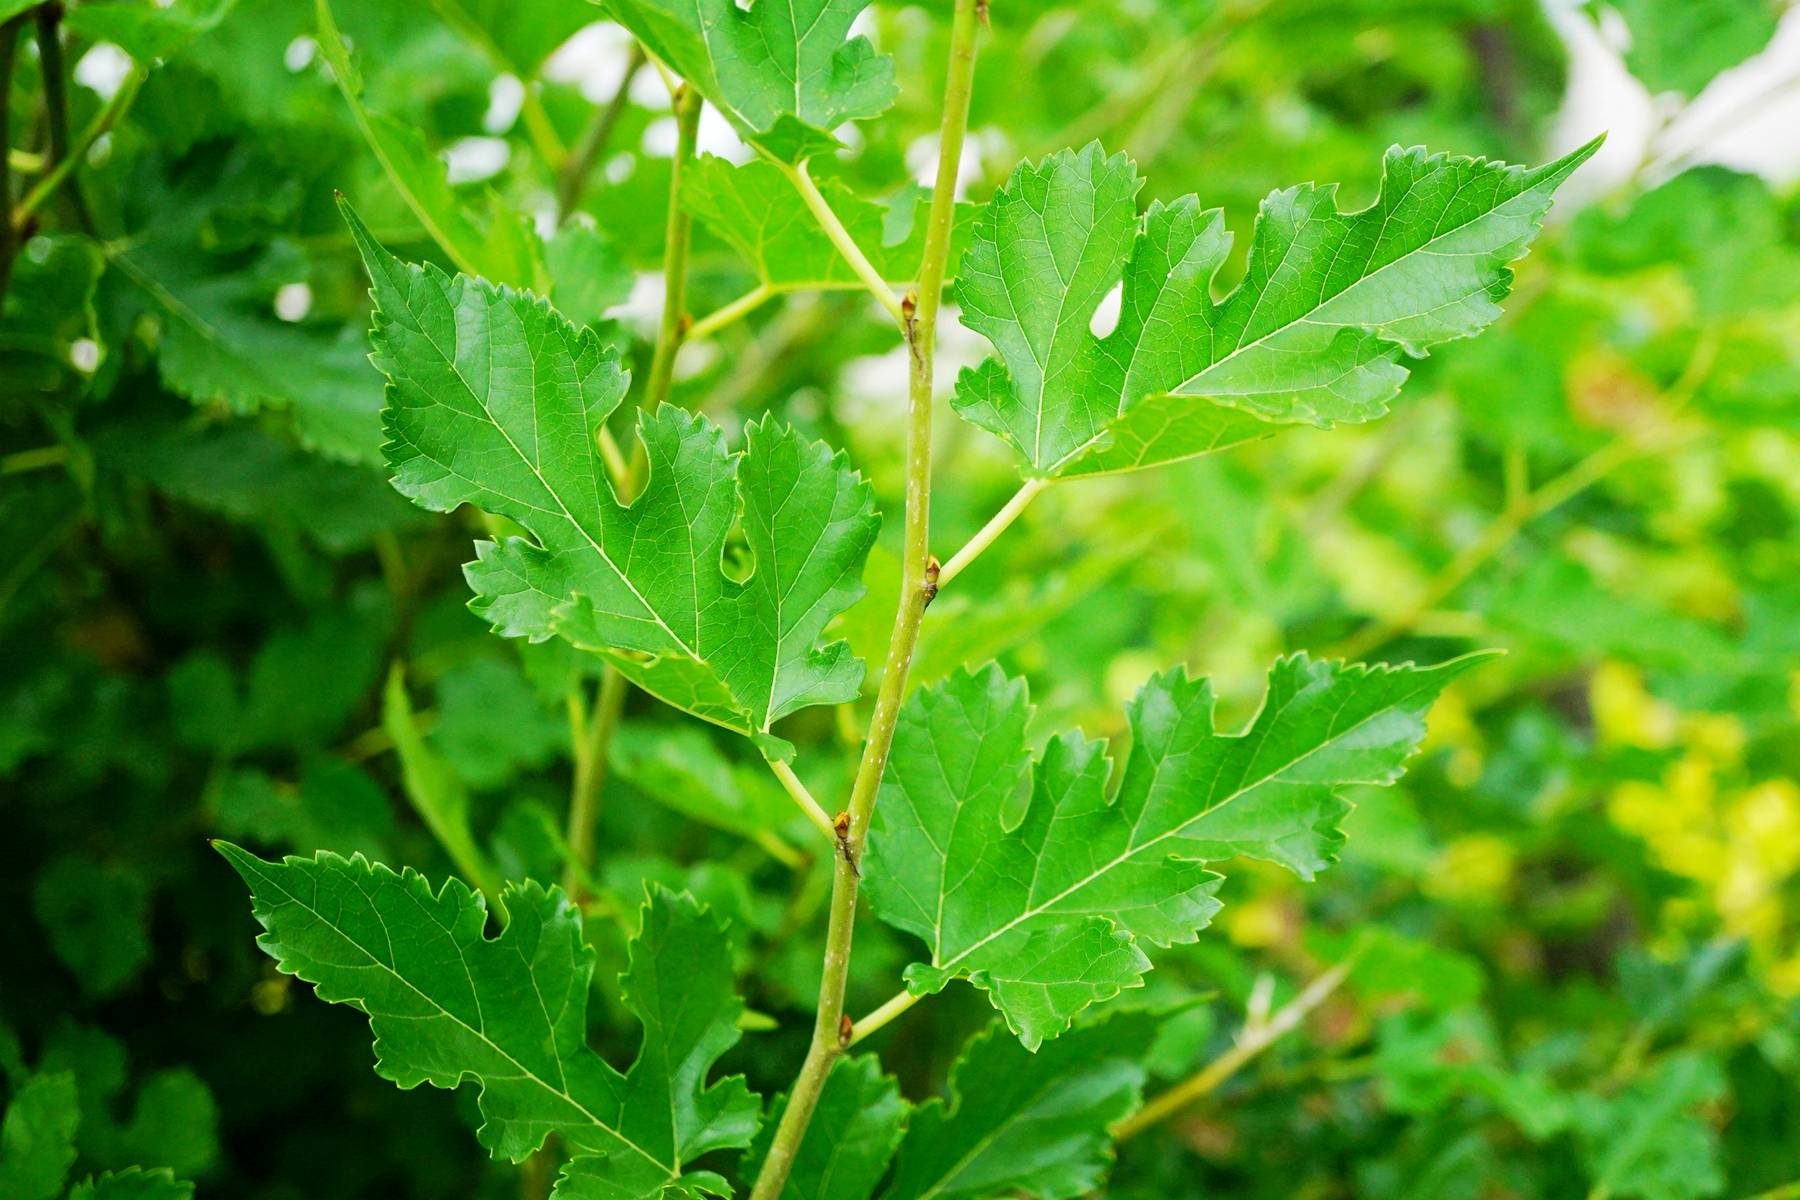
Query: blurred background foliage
[1575, 926]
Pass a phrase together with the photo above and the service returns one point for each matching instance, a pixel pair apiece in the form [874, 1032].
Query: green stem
[65, 164]
[840, 237]
[56, 105]
[590, 777]
[737, 310]
[1256, 1038]
[879, 1018]
[797, 790]
[9, 53]
[990, 532]
[609, 703]
[593, 141]
[831, 1029]
[672, 331]
[21, 461]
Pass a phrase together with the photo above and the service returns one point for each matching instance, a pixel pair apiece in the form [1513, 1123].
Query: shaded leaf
[445, 1004]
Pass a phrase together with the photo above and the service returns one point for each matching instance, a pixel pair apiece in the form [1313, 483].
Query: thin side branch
[814, 811]
[63, 170]
[878, 1019]
[594, 140]
[1257, 1037]
[840, 237]
[9, 241]
[733, 312]
[991, 532]
[56, 107]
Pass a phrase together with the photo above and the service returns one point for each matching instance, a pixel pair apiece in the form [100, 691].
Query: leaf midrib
[1304, 318]
[1133, 851]
[524, 1071]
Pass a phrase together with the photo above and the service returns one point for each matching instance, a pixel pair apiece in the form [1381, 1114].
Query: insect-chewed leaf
[1312, 335]
[447, 1003]
[784, 72]
[495, 400]
[1036, 885]
[1026, 1124]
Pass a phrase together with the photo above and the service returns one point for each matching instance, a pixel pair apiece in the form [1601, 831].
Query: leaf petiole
[879, 1018]
[840, 237]
[811, 807]
[989, 533]
[737, 310]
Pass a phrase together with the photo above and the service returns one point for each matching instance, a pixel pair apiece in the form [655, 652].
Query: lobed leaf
[1312, 335]
[1018, 1123]
[495, 400]
[785, 73]
[1040, 885]
[448, 1003]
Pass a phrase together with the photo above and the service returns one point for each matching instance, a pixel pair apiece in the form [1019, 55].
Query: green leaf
[1723, 230]
[590, 271]
[1038, 884]
[1649, 1142]
[219, 344]
[1311, 335]
[263, 481]
[333, 806]
[148, 29]
[680, 767]
[504, 248]
[49, 308]
[518, 34]
[1680, 47]
[96, 916]
[436, 792]
[1019, 1123]
[491, 724]
[447, 1003]
[850, 1140]
[780, 70]
[495, 400]
[133, 1184]
[37, 1138]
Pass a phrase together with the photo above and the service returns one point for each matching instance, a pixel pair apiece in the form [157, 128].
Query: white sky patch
[594, 59]
[293, 301]
[922, 157]
[717, 136]
[472, 159]
[84, 355]
[1106, 316]
[300, 53]
[1745, 118]
[103, 69]
[506, 96]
